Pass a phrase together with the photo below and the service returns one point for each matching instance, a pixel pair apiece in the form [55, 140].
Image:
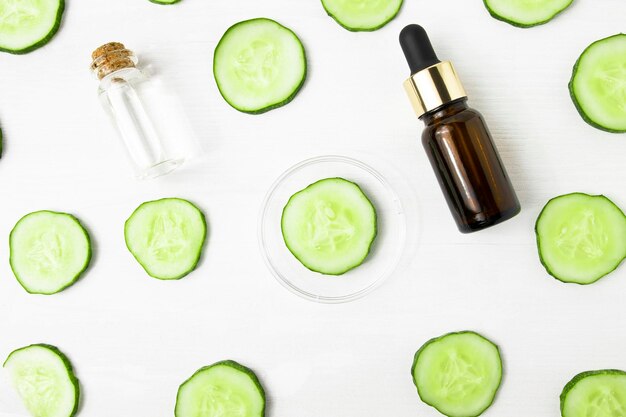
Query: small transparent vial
[150, 120]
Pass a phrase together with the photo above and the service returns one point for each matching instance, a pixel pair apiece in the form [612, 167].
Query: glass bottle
[457, 141]
[154, 130]
[468, 167]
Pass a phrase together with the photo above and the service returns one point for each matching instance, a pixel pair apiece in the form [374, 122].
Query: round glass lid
[353, 218]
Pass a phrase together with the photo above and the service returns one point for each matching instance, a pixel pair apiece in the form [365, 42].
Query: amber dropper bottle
[457, 141]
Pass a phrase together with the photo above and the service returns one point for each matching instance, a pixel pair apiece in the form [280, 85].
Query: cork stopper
[111, 57]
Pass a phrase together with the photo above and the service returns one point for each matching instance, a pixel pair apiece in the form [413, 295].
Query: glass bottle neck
[122, 76]
[447, 110]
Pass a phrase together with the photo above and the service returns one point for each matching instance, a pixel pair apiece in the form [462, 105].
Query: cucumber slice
[49, 251]
[329, 226]
[581, 238]
[598, 84]
[595, 393]
[165, 1]
[26, 25]
[259, 65]
[362, 15]
[220, 390]
[458, 374]
[44, 379]
[166, 237]
[526, 13]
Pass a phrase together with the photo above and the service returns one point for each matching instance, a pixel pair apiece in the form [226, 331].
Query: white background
[134, 339]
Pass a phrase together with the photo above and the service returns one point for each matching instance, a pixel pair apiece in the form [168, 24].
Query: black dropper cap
[417, 48]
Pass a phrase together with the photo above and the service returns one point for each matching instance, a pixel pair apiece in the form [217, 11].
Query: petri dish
[386, 251]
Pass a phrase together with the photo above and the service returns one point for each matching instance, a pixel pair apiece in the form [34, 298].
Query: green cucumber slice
[44, 379]
[598, 84]
[26, 25]
[165, 1]
[595, 393]
[49, 251]
[526, 13]
[581, 238]
[224, 389]
[362, 15]
[259, 65]
[458, 374]
[166, 237]
[329, 226]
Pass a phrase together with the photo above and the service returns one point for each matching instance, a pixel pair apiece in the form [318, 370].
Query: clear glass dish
[386, 250]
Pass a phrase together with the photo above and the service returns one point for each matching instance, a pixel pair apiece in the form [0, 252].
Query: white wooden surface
[133, 339]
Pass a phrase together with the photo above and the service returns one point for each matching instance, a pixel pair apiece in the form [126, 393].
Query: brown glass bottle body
[468, 167]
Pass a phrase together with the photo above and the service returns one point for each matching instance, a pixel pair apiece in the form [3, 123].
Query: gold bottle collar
[433, 87]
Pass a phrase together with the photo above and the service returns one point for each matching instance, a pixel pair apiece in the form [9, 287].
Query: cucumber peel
[166, 237]
[458, 374]
[581, 238]
[259, 65]
[165, 2]
[329, 226]
[44, 379]
[525, 13]
[362, 15]
[223, 389]
[598, 84]
[49, 251]
[595, 393]
[26, 25]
